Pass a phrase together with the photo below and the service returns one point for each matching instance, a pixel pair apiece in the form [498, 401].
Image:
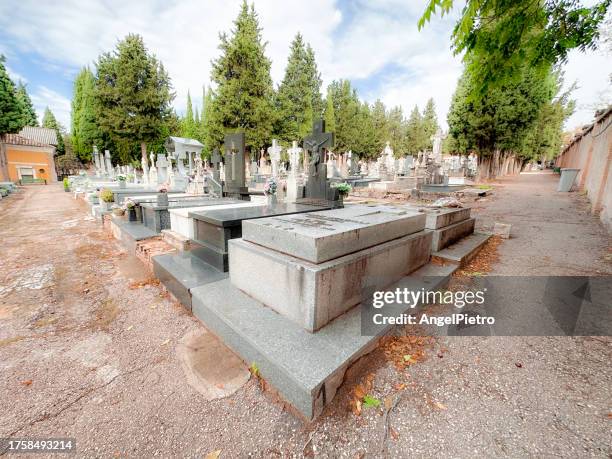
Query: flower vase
[132, 214]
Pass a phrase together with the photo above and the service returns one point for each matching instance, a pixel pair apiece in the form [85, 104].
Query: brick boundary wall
[591, 152]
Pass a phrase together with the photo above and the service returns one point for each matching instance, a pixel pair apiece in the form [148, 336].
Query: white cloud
[359, 41]
[44, 97]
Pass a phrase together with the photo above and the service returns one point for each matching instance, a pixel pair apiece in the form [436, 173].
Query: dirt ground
[88, 349]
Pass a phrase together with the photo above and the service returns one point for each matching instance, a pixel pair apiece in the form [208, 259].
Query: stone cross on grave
[317, 186]
[234, 163]
[275, 156]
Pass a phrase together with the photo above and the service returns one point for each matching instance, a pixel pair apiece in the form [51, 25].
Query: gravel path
[86, 352]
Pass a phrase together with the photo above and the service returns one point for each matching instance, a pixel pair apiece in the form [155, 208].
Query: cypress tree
[84, 128]
[188, 122]
[10, 111]
[430, 123]
[50, 122]
[28, 114]
[414, 132]
[243, 97]
[330, 113]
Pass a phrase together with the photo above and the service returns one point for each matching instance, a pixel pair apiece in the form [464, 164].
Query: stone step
[306, 369]
[182, 272]
[129, 232]
[445, 236]
[176, 240]
[463, 251]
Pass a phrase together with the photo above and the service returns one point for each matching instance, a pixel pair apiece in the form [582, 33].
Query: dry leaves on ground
[404, 351]
[482, 263]
[359, 392]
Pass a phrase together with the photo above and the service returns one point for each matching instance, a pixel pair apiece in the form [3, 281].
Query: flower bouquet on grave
[121, 180]
[343, 189]
[270, 188]
[106, 198]
[130, 207]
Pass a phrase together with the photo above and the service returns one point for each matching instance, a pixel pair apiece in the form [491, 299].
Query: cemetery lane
[92, 348]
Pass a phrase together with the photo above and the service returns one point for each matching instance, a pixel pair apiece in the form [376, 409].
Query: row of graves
[287, 283]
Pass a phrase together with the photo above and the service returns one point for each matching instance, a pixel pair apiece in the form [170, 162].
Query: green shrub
[66, 183]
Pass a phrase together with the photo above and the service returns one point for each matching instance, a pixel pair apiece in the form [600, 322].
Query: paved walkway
[88, 350]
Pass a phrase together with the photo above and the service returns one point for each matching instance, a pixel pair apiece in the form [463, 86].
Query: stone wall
[591, 152]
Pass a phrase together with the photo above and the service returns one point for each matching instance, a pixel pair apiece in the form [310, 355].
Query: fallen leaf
[370, 402]
[219, 385]
[27, 382]
[519, 365]
[440, 406]
[165, 342]
[394, 433]
[356, 407]
[359, 391]
[400, 386]
[130, 327]
[213, 454]
[153, 306]
[388, 403]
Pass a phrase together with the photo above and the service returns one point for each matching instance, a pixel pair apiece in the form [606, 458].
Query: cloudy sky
[374, 43]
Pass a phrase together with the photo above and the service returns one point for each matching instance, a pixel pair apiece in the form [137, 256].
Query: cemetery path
[88, 349]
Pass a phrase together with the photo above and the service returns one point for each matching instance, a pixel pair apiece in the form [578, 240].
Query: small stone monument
[275, 156]
[162, 168]
[109, 165]
[294, 161]
[153, 179]
[437, 145]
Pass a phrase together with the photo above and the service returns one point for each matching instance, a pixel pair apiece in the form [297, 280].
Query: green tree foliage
[213, 129]
[501, 120]
[133, 95]
[499, 37]
[397, 132]
[49, 121]
[294, 98]
[10, 111]
[415, 133]
[188, 124]
[430, 124]
[84, 127]
[329, 115]
[346, 108]
[381, 128]
[28, 114]
[243, 95]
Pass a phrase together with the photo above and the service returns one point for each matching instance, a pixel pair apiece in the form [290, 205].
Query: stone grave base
[450, 234]
[463, 251]
[313, 294]
[129, 233]
[306, 369]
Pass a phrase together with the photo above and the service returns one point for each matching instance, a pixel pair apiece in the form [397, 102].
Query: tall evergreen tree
[346, 107]
[298, 97]
[10, 110]
[330, 114]
[84, 128]
[243, 96]
[397, 134]
[415, 137]
[28, 114]
[381, 128]
[213, 129]
[49, 121]
[133, 93]
[313, 76]
[188, 126]
[430, 123]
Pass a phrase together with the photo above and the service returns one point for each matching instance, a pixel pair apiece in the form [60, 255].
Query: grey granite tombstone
[235, 166]
[317, 187]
